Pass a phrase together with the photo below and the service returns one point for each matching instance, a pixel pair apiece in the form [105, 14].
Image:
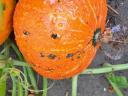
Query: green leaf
[120, 81]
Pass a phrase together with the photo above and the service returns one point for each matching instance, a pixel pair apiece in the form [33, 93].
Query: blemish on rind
[42, 55]
[52, 56]
[78, 56]
[26, 33]
[70, 55]
[54, 36]
[59, 1]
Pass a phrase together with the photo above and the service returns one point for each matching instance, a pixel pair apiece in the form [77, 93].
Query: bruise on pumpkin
[59, 1]
[97, 17]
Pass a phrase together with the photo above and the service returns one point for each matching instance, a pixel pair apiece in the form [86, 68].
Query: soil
[96, 85]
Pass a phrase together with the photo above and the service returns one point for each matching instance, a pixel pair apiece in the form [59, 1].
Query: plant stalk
[106, 69]
[44, 87]
[13, 85]
[74, 85]
[20, 89]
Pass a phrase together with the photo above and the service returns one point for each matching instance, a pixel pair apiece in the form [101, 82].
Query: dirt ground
[96, 85]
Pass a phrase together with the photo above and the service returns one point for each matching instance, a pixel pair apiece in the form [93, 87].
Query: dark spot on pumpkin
[26, 33]
[51, 56]
[97, 17]
[70, 55]
[42, 55]
[72, 59]
[86, 22]
[59, 1]
[54, 36]
[33, 65]
[78, 56]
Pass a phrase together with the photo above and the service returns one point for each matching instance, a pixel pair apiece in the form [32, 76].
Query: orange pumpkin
[6, 10]
[59, 37]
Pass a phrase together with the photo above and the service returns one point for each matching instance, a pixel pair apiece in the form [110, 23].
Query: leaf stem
[20, 89]
[44, 87]
[74, 85]
[106, 69]
[13, 85]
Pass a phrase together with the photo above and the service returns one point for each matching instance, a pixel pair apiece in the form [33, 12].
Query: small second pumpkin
[6, 14]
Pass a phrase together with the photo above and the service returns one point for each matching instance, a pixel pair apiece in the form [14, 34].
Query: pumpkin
[6, 10]
[58, 38]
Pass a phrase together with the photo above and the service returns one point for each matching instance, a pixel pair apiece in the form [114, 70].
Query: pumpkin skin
[54, 35]
[6, 14]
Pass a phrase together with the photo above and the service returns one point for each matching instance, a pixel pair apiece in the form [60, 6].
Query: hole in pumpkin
[26, 33]
[70, 55]
[54, 36]
[51, 56]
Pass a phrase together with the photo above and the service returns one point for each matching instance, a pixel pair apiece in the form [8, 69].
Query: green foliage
[120, 81]
[117, 82]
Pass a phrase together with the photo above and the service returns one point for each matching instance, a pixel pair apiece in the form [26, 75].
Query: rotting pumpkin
[59, 38]
[6, 14]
